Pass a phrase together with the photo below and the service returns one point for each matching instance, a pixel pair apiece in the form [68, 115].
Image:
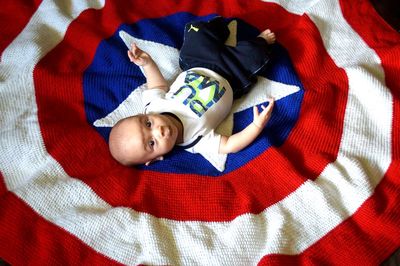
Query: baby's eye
[151, 143]
[148, 123]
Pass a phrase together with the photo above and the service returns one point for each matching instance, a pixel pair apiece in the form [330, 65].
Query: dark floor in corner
[389, 10]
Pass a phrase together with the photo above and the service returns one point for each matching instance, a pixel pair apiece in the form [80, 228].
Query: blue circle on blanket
[111, 78]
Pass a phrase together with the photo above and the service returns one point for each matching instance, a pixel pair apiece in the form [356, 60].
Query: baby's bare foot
[268, 36]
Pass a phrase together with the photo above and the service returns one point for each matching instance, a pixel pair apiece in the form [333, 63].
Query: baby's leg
[268, 36]
[247, 59]
[202, 43]
[215, 30]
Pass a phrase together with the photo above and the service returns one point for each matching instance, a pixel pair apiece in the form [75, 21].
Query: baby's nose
[161, 131]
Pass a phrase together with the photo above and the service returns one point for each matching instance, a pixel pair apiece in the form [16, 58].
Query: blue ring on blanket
[111, 77]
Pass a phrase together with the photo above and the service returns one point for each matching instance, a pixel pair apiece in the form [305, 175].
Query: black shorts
[204, 46]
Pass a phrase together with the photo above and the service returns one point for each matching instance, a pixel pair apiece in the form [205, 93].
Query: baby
[187, 112]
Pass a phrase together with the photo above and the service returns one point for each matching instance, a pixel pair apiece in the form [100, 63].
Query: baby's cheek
[164, 147]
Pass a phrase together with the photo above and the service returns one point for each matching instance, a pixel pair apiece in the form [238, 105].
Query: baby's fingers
[267, 110]
[134, 52]
[255, 111]
[131, 55]
[135, 49]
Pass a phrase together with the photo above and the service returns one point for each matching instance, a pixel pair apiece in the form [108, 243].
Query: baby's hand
[261, 119]
[138, 56]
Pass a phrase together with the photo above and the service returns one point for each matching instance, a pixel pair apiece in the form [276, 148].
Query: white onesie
[201, 99]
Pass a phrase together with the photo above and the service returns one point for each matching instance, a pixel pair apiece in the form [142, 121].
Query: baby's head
[142, 139]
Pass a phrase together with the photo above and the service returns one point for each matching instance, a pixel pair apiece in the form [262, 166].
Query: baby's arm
[242, 139]
[153, 75]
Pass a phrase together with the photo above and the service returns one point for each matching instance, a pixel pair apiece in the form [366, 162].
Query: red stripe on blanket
[3, 188]
[27, 238]
[19, 12]
[69, 139]
[366, 238]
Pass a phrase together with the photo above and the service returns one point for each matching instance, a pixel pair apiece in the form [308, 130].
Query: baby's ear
[160, 158]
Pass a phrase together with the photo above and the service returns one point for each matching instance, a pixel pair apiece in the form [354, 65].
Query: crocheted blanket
[320, 185]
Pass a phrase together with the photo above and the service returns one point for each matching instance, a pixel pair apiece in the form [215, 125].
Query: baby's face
[152, 136]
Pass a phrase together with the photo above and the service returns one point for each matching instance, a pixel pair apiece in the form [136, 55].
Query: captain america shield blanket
[319, 186]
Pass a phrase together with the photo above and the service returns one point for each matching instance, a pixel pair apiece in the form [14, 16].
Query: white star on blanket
[166, 58]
